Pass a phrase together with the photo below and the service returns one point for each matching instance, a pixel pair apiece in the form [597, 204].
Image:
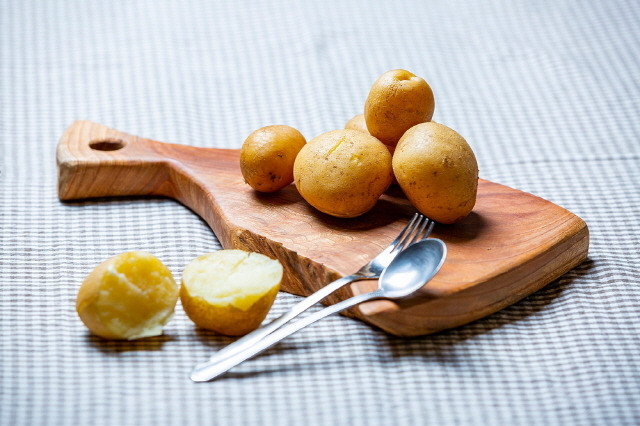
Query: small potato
[397, 101]
[358, 123]
[267, 156]
[343, 172]
[230, 291]
[438, 172]
[129, 296]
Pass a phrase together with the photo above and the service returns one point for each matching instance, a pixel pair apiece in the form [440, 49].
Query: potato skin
[438, 172]
[226, 320]
[343, 172]
[357, 123]
[267, 156]
[397, 101]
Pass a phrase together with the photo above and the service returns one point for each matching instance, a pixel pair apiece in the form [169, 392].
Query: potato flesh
[133, 300]
[232, 277]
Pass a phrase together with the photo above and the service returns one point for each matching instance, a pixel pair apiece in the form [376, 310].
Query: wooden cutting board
[511, 245]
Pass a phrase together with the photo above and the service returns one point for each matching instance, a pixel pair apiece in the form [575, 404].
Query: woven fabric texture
[546, 92]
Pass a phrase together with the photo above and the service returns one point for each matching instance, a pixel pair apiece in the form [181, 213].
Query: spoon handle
[249, 339]
[212, 369]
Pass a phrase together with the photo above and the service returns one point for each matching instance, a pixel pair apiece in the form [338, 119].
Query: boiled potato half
[438, 172]
[343, 172]
[230, 291]
[129, 296]
[397, 101]
[267, 156]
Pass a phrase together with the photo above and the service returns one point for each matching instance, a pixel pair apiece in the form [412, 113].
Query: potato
[357, 123]
[438, 172]
[343, 172]
[397, 101]
[267, 156]
[129, 296]
[230, 291]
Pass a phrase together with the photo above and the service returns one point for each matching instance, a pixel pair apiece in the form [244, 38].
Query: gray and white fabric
[546, 92]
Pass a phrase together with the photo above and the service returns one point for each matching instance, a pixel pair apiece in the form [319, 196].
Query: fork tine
[410, 235]
[418, 235]
[405, 241]
[405, 231]
[424, 232]
[429, 228]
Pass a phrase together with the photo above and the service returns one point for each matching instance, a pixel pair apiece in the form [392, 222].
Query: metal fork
[417, 229]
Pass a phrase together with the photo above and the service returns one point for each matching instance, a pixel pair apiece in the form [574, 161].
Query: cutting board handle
[97, 161]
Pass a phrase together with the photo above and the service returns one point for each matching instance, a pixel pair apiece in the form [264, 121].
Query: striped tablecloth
[546, 92]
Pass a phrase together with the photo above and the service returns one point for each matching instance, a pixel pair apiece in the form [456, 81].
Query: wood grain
[511, 245]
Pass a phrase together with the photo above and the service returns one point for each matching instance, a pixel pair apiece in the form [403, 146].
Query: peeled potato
[230, 291]
[438, 172]
[129, 296]
[267, 156]
[397, 101]
[343, 172]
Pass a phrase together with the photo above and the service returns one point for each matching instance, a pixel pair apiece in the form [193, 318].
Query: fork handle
[210, 370]
[249, 339]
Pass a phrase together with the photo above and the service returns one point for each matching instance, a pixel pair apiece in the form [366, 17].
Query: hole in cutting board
[106, 144]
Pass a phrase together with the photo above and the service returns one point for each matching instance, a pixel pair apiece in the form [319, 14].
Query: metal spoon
[408, 272]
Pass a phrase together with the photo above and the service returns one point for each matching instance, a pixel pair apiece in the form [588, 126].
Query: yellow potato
[267, 156]
[230, 291]
[357, 123]
[397, 101]
[438, 172]
[129, 296]
[343, 172]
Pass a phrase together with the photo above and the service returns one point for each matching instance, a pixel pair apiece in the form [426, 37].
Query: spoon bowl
[412, 268]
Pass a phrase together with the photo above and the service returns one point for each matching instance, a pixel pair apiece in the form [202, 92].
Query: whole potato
[438, 172]
[357, 123]
[267, 156]
[397, 101]
[343, 172]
